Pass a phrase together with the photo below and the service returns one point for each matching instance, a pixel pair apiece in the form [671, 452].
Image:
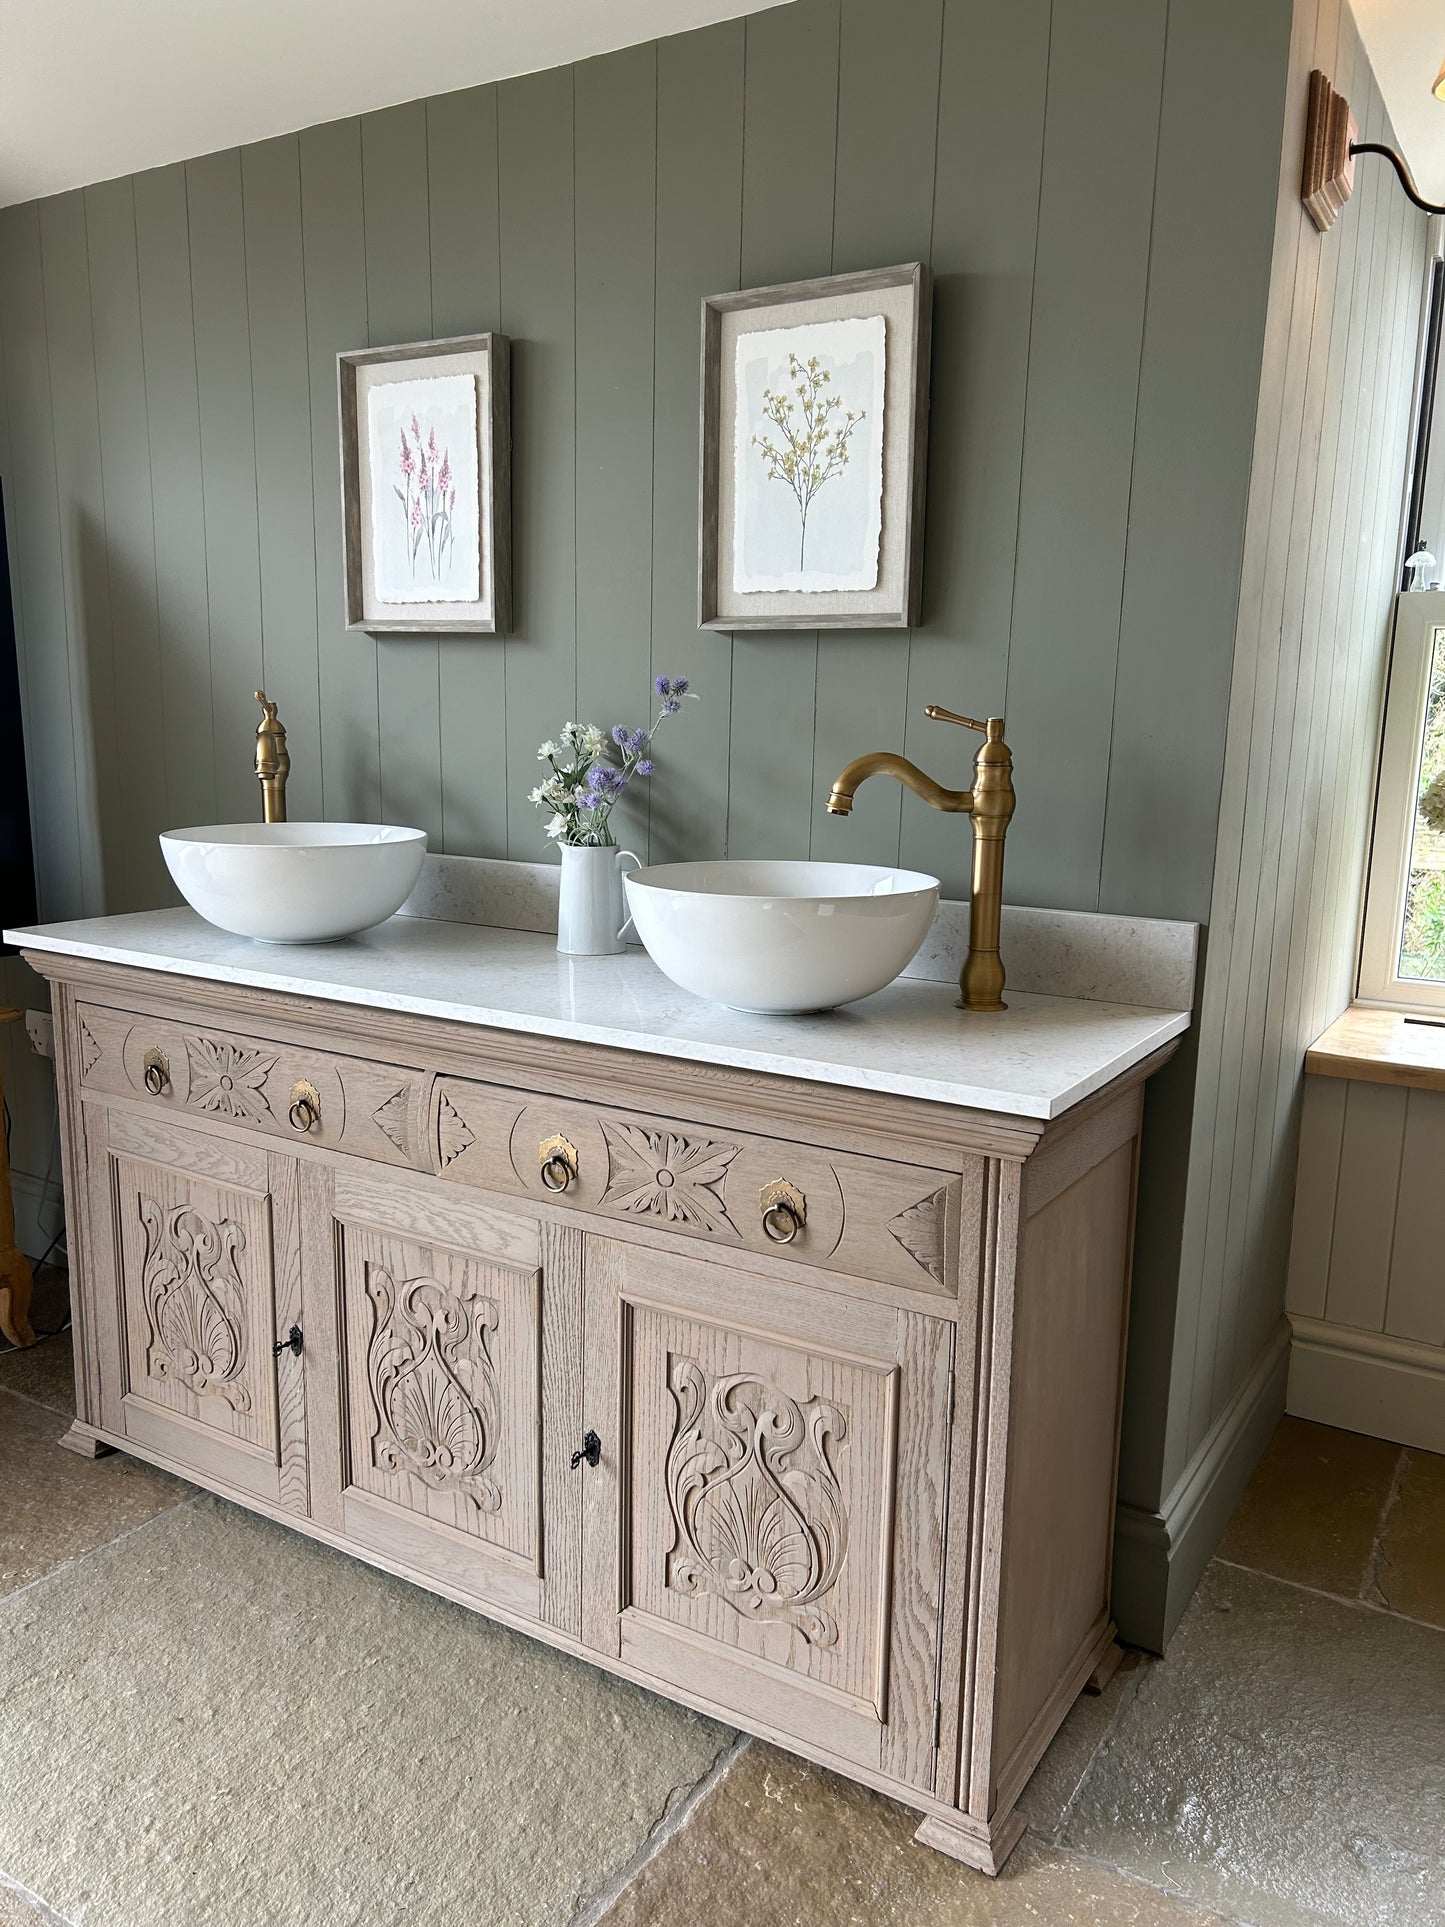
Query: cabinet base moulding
[981, 1844]
[84, 1443]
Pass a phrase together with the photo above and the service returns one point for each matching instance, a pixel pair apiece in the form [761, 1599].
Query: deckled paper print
[808, 457]
[425, 508]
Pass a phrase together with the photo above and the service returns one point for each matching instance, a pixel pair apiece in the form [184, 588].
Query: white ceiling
[94, 88]
[1405, 40]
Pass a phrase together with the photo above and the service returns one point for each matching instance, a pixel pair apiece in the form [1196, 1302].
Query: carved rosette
[454, 1134]
[434, 1386]
[194, 1301]
[752, 1483]
[664, 1175]
[226, 1079]
[919, 1230]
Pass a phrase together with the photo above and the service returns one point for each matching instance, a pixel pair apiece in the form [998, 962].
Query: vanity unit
[774, 1364]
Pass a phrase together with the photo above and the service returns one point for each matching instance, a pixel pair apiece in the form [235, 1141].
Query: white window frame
[1419, 618]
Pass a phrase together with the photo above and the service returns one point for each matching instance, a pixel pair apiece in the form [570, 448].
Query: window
[1402, 960]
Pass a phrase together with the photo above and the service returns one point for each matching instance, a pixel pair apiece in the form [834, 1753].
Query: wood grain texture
[1381, 1047]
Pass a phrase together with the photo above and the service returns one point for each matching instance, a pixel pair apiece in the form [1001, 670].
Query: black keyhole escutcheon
[290, 1343]
[591, 1451]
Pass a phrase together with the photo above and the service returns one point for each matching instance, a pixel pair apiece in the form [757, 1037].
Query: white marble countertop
[1037, 1059]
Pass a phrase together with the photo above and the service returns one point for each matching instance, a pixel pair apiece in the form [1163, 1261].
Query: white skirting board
[1392, 1388]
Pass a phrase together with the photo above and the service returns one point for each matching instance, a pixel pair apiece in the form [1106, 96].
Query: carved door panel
[765, 1526]
[205, 1242]
[440, 1320]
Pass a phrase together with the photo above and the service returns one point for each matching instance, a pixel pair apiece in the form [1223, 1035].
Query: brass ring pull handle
[784, 1211]
[305, 1111]
[157, 1073]
[557, 1163]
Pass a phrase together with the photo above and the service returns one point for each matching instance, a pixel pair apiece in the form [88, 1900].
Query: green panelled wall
[1094, 185]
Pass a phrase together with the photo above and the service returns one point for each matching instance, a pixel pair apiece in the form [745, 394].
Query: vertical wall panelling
[228, 472]
[334, 247]
[80, 498]
[538, 312]
[399, 308]
[38, 574]
[888, 59]
[1414, 1305]
[285, 486]
[790, 131]
[139, 806]
[461, 134]
[991, 95]
[1105, 74]
[616, 165]
[1209, 253]
[699, 225]
[183, 608]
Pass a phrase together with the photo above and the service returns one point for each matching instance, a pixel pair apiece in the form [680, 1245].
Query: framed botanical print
[814, 426]
[426, 486]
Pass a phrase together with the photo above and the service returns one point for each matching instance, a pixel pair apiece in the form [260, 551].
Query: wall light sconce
[1328, 176]
[1438, 90]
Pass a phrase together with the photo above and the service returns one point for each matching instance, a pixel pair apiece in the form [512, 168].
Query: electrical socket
[40, 1029]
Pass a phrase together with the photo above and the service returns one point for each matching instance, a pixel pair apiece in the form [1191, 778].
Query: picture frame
[813, 452]
[426, 486]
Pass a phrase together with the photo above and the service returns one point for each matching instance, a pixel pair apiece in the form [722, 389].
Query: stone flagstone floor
[1283, 1767]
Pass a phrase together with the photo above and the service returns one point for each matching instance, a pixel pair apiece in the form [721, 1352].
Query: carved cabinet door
[765, 1525]
[445, 1313]
[201, 1236]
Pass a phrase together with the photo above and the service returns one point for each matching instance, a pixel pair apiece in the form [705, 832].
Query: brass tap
[990, 803]
[273, 762]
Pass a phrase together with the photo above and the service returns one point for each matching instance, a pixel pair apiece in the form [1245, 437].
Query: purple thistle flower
[671, 705]
[604, 781]
[620, 734]
[663, 686]
[680, 686]
[646, 767]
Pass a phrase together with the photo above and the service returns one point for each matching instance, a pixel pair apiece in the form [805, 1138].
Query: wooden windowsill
[1382, 1047]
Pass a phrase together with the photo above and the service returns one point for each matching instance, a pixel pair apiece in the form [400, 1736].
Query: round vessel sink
[781, 937]
[294, 882]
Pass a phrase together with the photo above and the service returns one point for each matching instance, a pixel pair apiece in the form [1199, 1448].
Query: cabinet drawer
[896, 1224]
[373, 1110]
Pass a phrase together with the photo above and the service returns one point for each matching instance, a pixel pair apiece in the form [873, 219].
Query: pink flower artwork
[426, 544]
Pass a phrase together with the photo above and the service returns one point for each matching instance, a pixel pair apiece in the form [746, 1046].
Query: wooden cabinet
[851, 1489]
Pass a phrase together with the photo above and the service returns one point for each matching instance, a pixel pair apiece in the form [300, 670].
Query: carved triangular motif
[390, 1118]
[919, 1230]
[453, 1132]
[90, 1051]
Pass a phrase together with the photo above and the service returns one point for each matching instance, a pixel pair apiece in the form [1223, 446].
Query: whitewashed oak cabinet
[502, 1314]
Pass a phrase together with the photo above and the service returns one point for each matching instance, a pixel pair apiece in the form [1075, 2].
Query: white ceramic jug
[590, 913]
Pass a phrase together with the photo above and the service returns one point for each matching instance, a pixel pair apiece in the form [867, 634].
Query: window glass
[1422, 937]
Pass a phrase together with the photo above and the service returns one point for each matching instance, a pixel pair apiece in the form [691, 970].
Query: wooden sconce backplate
[1329, 167]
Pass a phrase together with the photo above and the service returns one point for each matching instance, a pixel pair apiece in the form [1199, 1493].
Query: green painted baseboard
[1159, 1557]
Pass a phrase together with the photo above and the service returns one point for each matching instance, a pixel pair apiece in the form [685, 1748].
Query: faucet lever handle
[942, 715]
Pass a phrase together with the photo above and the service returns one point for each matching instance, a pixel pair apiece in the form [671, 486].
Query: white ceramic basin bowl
[294, 882]
[779, 937]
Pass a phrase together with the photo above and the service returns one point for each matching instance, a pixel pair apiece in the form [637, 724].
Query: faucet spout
[990, 805]
[883, 762]
[273, 761]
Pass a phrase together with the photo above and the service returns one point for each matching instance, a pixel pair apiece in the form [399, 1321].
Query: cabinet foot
[84, 1443]
[1108, 1665]
[982, 1844]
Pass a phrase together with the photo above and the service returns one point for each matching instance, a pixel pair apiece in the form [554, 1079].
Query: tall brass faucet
[990, 803]
[273, 761]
